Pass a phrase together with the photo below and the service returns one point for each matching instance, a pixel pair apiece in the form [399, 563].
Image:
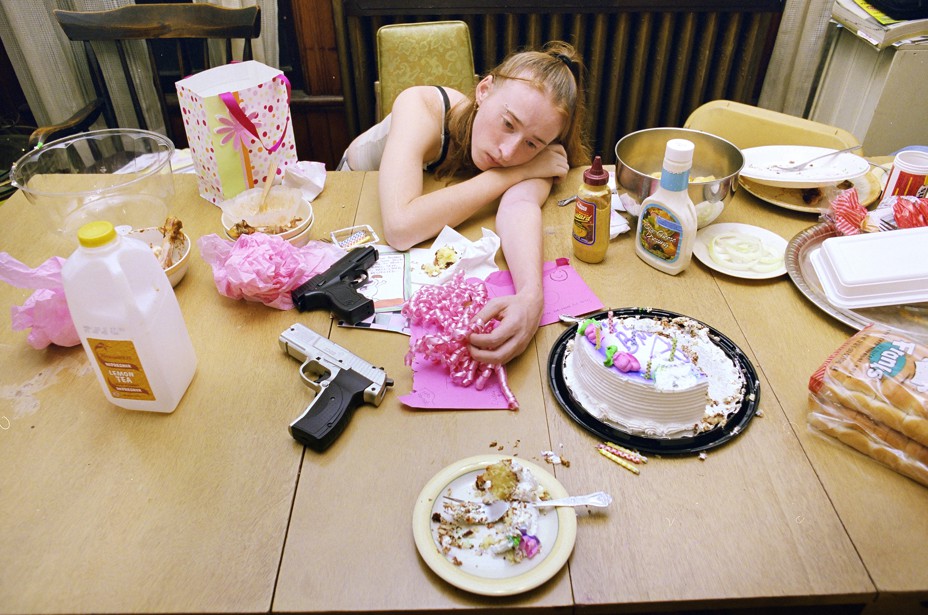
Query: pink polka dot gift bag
[237, 119]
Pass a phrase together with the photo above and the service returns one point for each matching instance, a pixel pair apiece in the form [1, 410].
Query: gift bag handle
[235, 110]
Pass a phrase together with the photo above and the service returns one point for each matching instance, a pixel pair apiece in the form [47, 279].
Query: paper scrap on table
[476, 258]
[394, 322]
[564, 291]
[309, 177]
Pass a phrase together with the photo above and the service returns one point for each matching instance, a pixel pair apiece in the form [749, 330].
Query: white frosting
[686, 383]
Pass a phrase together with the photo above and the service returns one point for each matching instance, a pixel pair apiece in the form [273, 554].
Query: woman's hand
[518, 317]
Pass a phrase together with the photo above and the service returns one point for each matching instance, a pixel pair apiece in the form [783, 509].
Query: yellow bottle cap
[95, 234]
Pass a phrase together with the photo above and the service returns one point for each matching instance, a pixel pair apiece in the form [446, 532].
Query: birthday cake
[656, 377]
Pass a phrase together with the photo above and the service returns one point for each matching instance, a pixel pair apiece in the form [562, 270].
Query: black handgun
[336, 288]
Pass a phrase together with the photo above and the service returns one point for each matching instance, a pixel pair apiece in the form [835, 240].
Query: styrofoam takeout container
[874, 269]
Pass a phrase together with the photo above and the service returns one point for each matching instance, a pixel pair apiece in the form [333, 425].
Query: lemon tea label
[661, 233]
[122, 371]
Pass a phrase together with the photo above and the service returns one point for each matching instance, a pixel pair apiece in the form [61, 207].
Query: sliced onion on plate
[743, 252]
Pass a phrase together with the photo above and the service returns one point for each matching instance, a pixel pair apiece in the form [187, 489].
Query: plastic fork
[488, 513]
[798, 167]
[888, 224]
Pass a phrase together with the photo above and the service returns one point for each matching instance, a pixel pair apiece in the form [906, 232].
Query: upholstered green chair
[426, 53]
[749, 126]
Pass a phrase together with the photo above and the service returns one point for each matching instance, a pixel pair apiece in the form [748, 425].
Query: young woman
[516, 134]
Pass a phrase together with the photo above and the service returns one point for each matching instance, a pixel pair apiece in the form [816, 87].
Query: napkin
[45, 312]
[309, 177]
[477, 259]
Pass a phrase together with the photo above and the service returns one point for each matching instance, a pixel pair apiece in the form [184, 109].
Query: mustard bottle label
[661, 233]
[585, 222]
[119, 362]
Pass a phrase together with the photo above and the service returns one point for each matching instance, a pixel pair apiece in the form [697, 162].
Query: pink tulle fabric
[45, 312]
[449, 311]
[264, 268]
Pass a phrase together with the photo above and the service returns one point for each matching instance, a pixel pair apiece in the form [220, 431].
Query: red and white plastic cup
[909, 175]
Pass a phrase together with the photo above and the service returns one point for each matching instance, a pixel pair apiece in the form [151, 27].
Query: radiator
[646, 67]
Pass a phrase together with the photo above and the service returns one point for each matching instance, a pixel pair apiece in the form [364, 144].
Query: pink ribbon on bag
[235, 110]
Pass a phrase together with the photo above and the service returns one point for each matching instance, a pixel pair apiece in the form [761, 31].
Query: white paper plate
[771, 240]
[760, 163]
[494, 576]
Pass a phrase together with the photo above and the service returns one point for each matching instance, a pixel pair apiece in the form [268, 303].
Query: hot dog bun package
[872, 395]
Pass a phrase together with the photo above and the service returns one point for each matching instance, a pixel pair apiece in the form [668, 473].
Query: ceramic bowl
[180, 257]
[639, 156]
[304, 212]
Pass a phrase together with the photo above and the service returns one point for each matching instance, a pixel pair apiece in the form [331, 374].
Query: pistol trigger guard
[361, 279]
[315, 375]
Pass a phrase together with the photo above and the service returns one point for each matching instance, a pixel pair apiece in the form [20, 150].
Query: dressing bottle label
[585, 222]
[119, 362]
[661, 233]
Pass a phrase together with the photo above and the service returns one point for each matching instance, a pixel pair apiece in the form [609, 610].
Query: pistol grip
[350, 305]
[328, 413]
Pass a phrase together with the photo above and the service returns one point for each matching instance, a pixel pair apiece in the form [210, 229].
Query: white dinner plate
[770, 240]
[868, 192]
[760, 165]
[489, 575]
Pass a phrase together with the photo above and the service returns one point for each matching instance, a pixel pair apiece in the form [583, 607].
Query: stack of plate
[806, 190]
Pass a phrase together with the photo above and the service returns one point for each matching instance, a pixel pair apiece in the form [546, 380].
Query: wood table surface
[215, 508]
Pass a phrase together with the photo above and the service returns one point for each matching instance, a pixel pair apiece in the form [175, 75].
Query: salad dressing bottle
[666, 228]
[128, 319]
[592, 214]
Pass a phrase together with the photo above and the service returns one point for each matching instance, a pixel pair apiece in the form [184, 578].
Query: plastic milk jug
[128, 319]
[591, 214]
[666, 228]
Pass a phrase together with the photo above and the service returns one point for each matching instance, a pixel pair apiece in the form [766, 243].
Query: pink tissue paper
[46, 310]
[264, 268]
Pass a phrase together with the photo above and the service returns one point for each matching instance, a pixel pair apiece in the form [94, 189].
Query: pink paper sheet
[565, 292]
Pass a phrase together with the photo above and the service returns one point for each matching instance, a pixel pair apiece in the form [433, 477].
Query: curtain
[793, 70]
[52, 70]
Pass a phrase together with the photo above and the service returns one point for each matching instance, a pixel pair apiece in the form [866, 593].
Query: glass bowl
[122, 176]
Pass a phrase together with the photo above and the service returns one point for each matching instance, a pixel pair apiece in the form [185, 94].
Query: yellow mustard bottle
[666, 228]
[592, 213]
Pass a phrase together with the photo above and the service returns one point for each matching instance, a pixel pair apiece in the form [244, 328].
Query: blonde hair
[555, 70]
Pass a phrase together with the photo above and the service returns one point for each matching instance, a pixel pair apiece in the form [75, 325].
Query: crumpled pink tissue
[264, 268]
[46, 310]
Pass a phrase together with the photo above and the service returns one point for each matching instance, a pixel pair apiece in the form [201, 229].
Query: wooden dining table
[216, 508]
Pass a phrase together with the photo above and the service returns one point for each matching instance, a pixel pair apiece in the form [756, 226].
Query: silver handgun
[342, 381]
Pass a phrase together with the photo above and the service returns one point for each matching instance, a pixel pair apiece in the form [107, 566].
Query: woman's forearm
[409, 220]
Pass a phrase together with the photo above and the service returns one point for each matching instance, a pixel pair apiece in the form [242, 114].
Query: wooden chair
[185, 27]
[749, 126]
[425, 53]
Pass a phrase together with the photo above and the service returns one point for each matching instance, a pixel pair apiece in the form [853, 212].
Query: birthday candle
[621, 451]
[618, 460]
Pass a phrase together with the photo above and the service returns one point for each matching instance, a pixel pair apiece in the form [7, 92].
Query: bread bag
[872, 394]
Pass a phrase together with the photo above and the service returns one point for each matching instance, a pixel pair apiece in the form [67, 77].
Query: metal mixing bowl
[639, 156]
